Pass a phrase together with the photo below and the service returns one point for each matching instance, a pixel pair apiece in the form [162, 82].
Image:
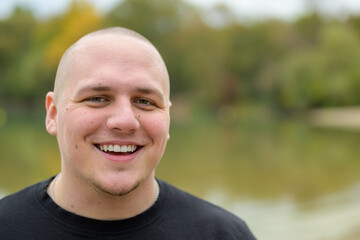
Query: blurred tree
[155, 19]
[212, 59]
[80, 19]
[36, 49]
[254, 54]
[326, 74]
[194, 52]
[198, 58]
[16, 36]
[162, 22]
[308, 29]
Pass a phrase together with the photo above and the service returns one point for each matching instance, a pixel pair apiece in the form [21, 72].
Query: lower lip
[120, 158]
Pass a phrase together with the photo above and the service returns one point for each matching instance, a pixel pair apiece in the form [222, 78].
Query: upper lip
[117, 142]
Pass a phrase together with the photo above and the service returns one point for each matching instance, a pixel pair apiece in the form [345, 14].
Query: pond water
[285, 179]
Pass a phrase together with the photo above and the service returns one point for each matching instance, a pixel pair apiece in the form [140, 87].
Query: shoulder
[20, 204]
[211, 219]
[197, 205]
[16, 199]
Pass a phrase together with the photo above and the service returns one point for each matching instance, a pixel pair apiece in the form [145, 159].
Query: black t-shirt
[32, 214]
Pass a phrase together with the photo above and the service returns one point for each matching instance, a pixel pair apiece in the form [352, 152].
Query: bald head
[114, 36]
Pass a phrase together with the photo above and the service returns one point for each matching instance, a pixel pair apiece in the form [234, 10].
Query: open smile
[115, 149]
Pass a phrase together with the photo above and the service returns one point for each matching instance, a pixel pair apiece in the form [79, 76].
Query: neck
[88, 202]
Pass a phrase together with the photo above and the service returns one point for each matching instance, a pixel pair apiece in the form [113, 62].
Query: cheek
[157, 126]
[79, 123]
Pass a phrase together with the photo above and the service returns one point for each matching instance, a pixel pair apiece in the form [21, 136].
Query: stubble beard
[114, 192]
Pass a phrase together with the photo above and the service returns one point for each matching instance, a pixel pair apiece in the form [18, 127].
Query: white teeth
[118, 148]
[123, 149]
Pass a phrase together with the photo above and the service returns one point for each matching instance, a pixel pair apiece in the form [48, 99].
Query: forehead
[114, 57]
[117, 49]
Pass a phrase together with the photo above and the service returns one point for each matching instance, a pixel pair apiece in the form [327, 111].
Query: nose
[122, 118]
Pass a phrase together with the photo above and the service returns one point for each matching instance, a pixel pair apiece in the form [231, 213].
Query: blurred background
[266, 96]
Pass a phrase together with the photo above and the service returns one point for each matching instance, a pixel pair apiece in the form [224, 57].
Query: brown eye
[145, 104]
[143, 101]
[96, 99]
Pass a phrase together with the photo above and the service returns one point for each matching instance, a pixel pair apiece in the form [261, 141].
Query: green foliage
[167, 24]
[325, 74]
[30, 50]
[155, 19]
[216, 62]
[16, 35]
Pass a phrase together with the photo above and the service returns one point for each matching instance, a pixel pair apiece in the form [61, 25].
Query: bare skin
[111, 89]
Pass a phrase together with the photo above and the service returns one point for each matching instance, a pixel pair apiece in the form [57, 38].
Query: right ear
[51, 113]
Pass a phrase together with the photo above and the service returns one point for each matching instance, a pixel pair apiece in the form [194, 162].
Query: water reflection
[2, 194]
[259, 161]
[285, 179]
[3, 117]
[330, 217]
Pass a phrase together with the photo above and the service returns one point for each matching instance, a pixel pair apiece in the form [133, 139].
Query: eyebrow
[93, 89]
[143, 90]
[147, 91]
[150, 91]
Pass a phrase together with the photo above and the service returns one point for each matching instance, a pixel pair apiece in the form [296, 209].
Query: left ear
[170, 104]
[51, 114]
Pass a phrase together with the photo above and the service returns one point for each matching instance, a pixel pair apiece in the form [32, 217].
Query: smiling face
[111, 113]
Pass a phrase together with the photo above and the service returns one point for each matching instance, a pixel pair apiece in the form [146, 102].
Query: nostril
[123, 119]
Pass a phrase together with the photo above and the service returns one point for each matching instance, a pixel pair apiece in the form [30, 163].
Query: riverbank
[345, 118]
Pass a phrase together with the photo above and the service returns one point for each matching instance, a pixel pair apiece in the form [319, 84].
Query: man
[110, 114]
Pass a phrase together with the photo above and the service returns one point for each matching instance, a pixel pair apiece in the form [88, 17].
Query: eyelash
[99, 99]
[145, 104]
[142, 102]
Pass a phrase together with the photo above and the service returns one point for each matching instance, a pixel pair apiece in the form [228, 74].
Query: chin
[115, 189]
